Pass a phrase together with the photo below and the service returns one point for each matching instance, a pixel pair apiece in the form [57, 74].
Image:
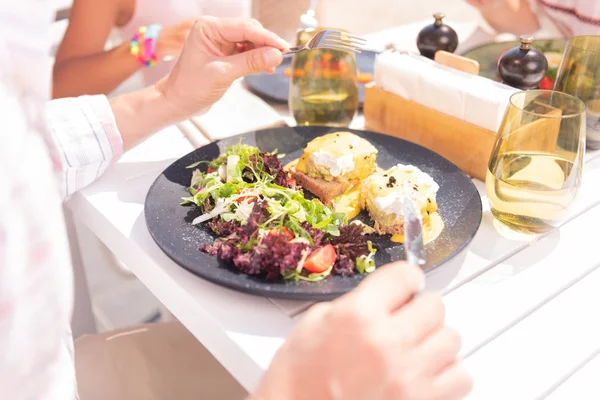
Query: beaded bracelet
[143, 44]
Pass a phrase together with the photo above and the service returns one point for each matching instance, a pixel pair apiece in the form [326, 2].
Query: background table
[526, 307]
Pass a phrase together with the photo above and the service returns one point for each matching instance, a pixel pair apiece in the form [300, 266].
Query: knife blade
[413, 229]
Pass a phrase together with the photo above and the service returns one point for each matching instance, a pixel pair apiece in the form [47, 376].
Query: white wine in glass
[579, 75]
[323, 85]
[535, 169]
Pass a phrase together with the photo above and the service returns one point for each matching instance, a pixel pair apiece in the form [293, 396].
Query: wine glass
[323, 85]
[535, 168]
[579, 75]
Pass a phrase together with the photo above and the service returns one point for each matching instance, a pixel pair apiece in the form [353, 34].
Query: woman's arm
[210, 62]
[512, 16]
[82, 65]
[89, 132]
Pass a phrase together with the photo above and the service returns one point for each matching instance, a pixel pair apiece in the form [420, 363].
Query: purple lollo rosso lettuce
[274, 255]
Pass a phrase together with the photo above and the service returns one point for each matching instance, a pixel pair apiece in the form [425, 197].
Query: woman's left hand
[218, 52]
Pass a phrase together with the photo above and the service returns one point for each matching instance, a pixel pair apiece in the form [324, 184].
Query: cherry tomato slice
[286, 231]
[282, 231]
[245, 198]
[546, 83]
[321, 260]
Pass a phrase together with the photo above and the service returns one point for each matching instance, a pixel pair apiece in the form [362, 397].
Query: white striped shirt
[574, 17]
[73, 140]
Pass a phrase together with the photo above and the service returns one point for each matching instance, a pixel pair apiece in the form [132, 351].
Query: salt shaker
[437, 36]
[523, 67]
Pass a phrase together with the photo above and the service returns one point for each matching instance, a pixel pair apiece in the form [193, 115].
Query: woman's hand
[171, 39]
[379, 342]
[216, 53]
[485, 4]
[489, 5]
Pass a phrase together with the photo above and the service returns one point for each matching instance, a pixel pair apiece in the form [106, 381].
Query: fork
[331, 39]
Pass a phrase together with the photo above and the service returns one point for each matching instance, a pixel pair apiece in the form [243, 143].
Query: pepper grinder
[437, 36]
[523, 67]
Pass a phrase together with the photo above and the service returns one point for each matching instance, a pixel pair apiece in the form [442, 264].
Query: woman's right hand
[512, 16]
[481, 3]
[495, 4]
[171, 39]
[378, 342]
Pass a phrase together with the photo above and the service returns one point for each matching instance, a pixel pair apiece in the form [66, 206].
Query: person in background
[381, 341]
[83, 65]
[571, 17]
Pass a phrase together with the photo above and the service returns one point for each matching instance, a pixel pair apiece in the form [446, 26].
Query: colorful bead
[143, 44]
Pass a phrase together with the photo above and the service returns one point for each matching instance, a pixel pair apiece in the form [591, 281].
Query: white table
[526, 309]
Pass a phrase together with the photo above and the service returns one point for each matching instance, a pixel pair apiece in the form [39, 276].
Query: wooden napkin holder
[466, 145]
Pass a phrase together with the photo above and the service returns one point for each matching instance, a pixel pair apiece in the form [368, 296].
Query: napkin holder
[466, 145]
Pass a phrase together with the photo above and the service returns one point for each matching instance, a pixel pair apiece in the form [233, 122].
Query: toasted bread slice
[324, 190]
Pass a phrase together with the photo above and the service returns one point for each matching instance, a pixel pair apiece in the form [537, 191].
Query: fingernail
[272, 57]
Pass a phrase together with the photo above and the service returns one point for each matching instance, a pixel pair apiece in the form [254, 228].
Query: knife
[413, 229]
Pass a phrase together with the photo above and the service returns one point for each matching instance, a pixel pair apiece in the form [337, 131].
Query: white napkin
[237, 112]
[474, 99]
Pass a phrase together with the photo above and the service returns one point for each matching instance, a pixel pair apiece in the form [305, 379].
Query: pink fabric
[574, 17]
[172, 12]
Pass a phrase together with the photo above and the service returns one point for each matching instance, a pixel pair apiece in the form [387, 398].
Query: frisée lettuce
[264, 222]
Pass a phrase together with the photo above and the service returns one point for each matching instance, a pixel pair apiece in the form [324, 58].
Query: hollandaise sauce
[431, 230]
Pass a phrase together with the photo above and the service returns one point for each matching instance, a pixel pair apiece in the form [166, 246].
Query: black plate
[170, 224]
[275, 87]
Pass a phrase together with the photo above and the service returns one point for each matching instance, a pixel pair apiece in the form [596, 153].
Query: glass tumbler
[579, 75]
[323, 85]
[536, 166]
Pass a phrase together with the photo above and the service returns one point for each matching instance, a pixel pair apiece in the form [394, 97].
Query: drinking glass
[535, 168]
[579, 75]
[323, 85]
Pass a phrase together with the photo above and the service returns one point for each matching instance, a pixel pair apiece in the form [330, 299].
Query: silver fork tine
[346, 42]
[342, 40]
[315, 39]
[335, 39]
[345, 36]
[342, 45]
[328, 46]
[331, 39]
[352, 40]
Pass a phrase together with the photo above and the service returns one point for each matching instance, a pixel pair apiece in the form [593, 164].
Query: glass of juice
[536, 166]
[323, 85]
